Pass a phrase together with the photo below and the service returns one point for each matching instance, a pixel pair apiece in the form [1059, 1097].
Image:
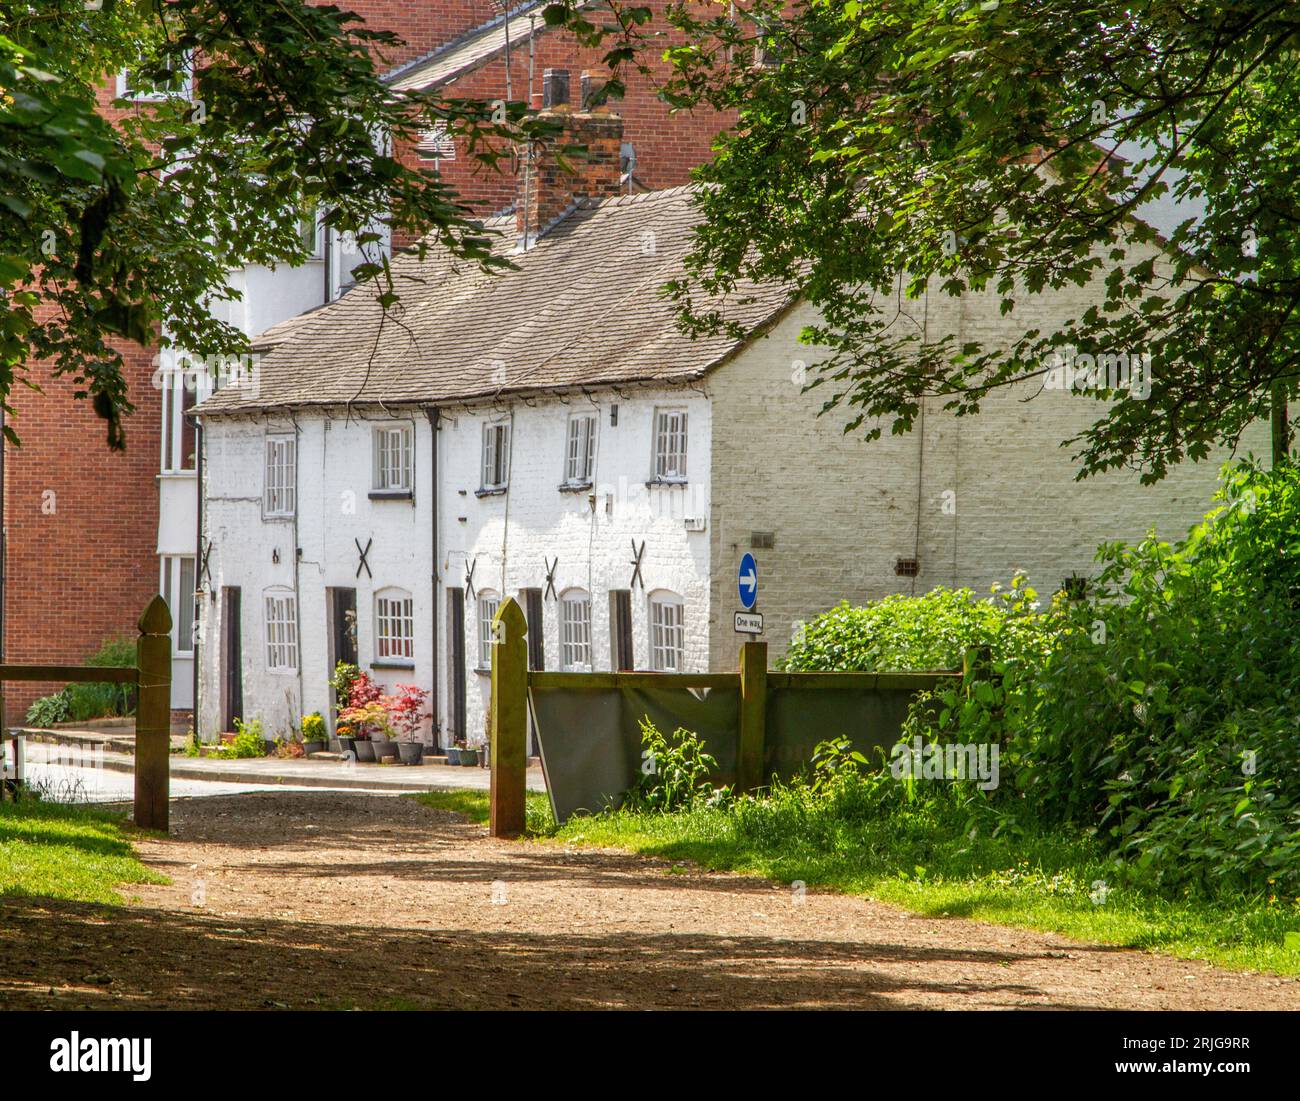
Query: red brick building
[79, 558]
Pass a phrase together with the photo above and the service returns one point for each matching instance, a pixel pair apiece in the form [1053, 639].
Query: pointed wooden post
[153, 725]
[752, 745]
[508, 720]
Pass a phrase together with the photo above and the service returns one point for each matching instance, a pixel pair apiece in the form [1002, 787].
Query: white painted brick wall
[593, 548]
[844, 510]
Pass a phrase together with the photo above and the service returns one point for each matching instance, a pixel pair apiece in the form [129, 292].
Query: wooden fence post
[153, 725]
[752, 734]
[509, 720]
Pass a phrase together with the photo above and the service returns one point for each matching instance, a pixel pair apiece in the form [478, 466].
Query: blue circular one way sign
[747, 581]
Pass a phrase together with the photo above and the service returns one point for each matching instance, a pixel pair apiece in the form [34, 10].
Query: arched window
[575, 630]
[281, 630]
[394, 626]
[667, 632]
[488, 605]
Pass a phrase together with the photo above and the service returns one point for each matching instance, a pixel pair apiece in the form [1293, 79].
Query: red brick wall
[667, 145]
[423, 24]
[83, 572]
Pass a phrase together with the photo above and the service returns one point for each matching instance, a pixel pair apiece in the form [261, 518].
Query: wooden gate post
[153, 714]
[752, 744]
[508, 720]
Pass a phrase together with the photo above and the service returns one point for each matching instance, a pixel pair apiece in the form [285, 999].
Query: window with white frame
[309, 230]
[281, 457]
[496, 455]
[436, 144]
[580, 449]
[178, 590]
[394, 458]
[281, 631]
[182, 390]
[667, 633]
[670, 444]
[394, 626]
[575, 631]
[488, 605]
[134, 85]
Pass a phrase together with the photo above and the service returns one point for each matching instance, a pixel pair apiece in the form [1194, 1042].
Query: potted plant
[453, 751]
[370, 726]
[407, 714]
[313, 733]
[468, 755]
[347, 741]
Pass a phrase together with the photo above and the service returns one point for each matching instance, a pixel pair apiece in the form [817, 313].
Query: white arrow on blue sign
[748, 581]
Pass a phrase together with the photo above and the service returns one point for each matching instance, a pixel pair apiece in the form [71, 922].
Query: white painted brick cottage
[549, 434]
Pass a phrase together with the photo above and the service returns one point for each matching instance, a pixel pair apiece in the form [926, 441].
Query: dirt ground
[283, 900]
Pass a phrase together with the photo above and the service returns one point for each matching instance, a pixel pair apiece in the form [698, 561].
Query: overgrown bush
[1169, 714]
[1160, 713]
[674, 772]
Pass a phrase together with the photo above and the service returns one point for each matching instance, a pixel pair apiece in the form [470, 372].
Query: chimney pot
[555, 88]
[589, 88]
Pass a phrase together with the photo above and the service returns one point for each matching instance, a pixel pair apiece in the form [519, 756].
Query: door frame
[232, 657]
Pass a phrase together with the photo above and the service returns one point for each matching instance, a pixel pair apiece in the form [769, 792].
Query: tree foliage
[1010, 147]
[126, 231]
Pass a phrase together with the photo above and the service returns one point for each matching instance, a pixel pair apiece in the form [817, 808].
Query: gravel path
[341, 900]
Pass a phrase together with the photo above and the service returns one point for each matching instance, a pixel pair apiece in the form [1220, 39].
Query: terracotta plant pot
[411, 753]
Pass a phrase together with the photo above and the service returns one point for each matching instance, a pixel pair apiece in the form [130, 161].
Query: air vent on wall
[762, 540]
[907, 567]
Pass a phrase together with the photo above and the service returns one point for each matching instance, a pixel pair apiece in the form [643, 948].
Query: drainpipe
[297, 558]
[198, 557]
[4, 529]
[432, 414]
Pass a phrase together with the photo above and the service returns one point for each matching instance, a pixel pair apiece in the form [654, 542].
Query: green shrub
[113, 699]
[929, 632]
[248, 741]
[674, 772]
[1168, 715]
[49, 710]
[1160, 713]
[94, 701]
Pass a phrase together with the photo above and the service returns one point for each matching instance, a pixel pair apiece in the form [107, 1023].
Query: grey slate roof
[582, 310]
[471, 50]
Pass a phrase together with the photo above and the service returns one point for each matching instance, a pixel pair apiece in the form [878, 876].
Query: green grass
[67, 851]
[1043, 882]
[472, 804]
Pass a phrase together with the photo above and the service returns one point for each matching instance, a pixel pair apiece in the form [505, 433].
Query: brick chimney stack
[545, 191]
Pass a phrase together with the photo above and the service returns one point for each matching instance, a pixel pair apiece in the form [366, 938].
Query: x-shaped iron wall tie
[472, 563]
[550, 577]
[636, 566]
[363, 564]
[205, 573]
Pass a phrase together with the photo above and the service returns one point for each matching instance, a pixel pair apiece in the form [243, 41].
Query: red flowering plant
[406, 710]
[366, 713]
